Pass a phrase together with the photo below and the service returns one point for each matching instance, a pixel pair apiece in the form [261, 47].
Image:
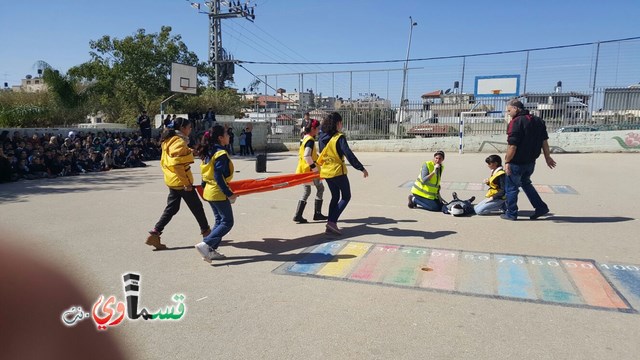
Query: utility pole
[404, 78]
[217, 57]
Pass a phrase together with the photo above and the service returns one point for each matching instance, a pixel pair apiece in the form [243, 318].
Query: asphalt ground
[93, 228]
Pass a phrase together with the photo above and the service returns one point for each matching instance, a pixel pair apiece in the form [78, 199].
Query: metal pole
[526, 72]
[162, 104]
[464, 64]
[333, 84]
[595, 75]
[350, 85]
[387, 85]
[215, 40]
[404, 76]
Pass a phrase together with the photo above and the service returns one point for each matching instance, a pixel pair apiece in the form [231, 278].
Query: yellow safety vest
[494, 184]
[331, 165]
[430, 188]
[169, 163]
[303, 167]
[212, 191]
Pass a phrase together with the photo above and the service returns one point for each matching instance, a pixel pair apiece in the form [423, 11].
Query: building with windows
[368, 103]
[621, 99]
[620, 104]
[30, 84]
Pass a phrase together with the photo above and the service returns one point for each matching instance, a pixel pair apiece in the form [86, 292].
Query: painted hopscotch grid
[543, 189]
[568, 282]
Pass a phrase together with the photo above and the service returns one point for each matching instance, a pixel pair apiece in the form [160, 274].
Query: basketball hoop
[184, 88]
[496, 92]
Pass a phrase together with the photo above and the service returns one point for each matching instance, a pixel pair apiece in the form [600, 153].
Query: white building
[30, 84]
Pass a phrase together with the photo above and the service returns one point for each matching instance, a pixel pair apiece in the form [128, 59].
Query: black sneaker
[411, 204]
[537, 214]
[507, 217]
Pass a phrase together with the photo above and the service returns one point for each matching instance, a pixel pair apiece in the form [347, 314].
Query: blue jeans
[224, 222]
[488, 205]
[338, 185]
[521, 177]
[427, 204]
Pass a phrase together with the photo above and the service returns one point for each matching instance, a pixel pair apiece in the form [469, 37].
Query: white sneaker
[216, 255]
[208, 253]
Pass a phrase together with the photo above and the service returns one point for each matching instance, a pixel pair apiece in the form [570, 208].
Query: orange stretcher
[250, 186]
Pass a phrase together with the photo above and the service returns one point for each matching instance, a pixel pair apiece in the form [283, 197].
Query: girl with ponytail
[175, 162]
[217, 172]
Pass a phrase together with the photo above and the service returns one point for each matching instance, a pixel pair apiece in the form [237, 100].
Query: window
[28, 82]
[37, 82]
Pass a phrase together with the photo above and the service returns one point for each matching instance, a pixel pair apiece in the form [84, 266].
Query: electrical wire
[436, 57]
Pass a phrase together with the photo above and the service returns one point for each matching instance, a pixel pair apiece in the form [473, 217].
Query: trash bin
[261, 163]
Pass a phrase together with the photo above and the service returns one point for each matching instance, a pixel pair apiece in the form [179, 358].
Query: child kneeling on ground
[495, 198]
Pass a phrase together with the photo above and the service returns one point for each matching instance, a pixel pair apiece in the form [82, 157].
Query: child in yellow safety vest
[333, 149]
[307, 156]
[176, 162]
[425, 192]
[217, 172]
[495, 198]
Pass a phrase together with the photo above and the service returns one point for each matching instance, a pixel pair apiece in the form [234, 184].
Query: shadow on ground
[276, 247]
[588, 219]
[106, 180]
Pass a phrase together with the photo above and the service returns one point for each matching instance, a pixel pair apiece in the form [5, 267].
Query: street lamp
[404, 76]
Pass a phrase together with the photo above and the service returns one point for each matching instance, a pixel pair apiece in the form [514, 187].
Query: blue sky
[59, 32]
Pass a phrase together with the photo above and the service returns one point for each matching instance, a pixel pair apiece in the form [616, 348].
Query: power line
[239, 36]
[292, 51]
[436, 57]
[267, 85]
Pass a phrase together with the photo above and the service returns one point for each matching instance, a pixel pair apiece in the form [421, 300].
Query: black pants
[146, 133]
[249, 148]
[173, 205]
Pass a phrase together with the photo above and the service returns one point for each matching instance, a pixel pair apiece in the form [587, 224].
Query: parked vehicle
[576, 128]
[621, 127]
[432, 130]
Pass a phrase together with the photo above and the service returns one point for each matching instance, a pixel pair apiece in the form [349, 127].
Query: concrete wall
[586, 142]
[260, 131]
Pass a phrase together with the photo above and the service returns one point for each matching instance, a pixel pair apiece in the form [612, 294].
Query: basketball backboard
[497, 86]
[184, 78]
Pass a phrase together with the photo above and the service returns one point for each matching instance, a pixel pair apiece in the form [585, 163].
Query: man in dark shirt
[209, 118]
[526, 137]
[145, 125]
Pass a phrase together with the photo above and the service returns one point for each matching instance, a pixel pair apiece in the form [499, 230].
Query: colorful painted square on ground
[570, 282]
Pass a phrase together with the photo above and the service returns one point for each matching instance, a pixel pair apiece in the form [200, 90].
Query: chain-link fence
[580, 87]
[616, 109]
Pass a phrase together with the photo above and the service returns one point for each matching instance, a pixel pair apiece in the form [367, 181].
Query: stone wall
[585, 142]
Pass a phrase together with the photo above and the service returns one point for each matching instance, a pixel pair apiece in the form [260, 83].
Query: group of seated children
[44, 156]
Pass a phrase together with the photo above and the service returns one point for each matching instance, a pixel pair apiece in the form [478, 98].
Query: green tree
[226, 101]
[22, 109]
[128, 75]
[68, 100]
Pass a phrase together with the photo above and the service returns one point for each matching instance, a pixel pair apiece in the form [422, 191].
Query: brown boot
[154, 240]
[206, 232]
